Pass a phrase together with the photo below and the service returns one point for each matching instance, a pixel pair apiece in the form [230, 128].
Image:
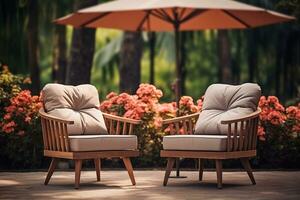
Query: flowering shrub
[22, 113]
[20, 136]
[274, 115]
[279, 130]
[145, 106]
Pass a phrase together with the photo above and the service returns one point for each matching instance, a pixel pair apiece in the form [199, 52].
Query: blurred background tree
[32, 44]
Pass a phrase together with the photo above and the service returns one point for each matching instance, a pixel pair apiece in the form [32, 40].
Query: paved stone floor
[116, 185]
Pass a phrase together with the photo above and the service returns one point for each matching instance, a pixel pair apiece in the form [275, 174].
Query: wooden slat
[54, 128]
[118, 128]
[241, 135]
[235, 133]
[46, 116]
[49, 134]
[177, 127]
[44, 131]
[111, 127]
[229, 138]
[250, 116]
[248, 134]
[179, 119]
[106, 154]
[124, 128]
[66, 137]
[122, 119]
[130, 129]
[190, 126]
[207, 154]
[52, 136]
[255, 133]
[185, 127]
[61, 137]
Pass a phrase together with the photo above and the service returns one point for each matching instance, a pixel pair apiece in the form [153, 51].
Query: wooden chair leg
[201, 165]
[78, 165]
[246, 164]
[51, 170]
[219, 173]
[129, 168]
[170, 165]
[97, 162]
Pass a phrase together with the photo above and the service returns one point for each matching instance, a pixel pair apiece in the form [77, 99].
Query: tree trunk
[152, 40]
[59, 51]
[224, 57]
[130, 62]
[82, 51]
[252, 55]
[33, 51]
[183, 61]
[236, 62]
[280, 49]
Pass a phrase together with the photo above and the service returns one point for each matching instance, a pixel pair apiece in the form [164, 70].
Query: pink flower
[273, 99]
[111, 95]
[276, 118]
[292, 112]
[7, 116]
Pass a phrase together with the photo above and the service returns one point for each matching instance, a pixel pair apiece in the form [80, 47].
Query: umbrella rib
[161, 16]
[182, 13]
[236, 18]
[164, 13]
[143, 20]
[94, 19]
[192, 15]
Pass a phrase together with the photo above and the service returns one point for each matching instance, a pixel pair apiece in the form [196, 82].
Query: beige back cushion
[77, 103]
[222, 102]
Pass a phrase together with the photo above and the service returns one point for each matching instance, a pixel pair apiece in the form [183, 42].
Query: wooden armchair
[57, 144]
[75, 106]
[237, 141]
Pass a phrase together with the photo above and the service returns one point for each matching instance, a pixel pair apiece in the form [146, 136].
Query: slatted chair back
[119, 125]
[55, 133]
[182, 125]
[242, 132]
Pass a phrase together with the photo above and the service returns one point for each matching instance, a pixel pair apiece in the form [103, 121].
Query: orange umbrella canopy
[168, 15]
[173, 15]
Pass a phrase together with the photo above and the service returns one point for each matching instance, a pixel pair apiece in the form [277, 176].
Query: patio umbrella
[173, 15]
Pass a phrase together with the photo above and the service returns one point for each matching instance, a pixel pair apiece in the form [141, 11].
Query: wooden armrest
[246, 117]
[182, 118]
[44, 115]
[122, 119]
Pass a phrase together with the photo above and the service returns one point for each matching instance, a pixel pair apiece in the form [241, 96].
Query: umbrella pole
[178, 67]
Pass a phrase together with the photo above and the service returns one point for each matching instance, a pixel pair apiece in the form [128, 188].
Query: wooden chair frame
[57, 144]
[241, 144]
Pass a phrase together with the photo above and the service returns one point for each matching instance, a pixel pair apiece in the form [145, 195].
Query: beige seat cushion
[102, 142]
[76, 103]
[223, 102]
[195, 142]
